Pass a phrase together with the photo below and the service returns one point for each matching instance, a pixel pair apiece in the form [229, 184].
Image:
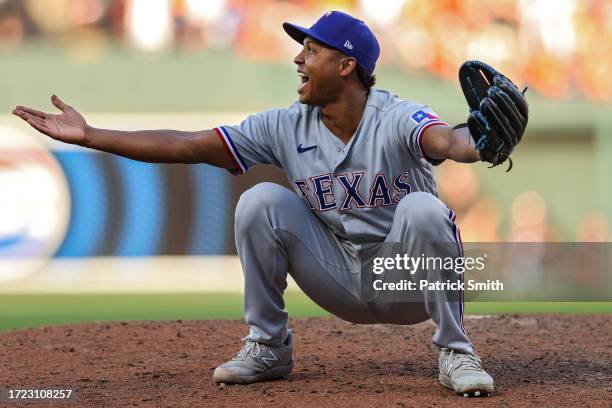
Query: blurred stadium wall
[89, 221]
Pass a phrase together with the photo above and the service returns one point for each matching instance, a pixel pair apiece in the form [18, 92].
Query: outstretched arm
[154, 146]
[444, 142]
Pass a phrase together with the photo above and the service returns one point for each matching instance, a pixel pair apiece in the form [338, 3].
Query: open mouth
[303, 80]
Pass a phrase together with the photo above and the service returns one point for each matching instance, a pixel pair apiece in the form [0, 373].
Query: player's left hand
[498, 111]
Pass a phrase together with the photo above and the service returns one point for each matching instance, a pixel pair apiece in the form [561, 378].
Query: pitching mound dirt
[536, 360]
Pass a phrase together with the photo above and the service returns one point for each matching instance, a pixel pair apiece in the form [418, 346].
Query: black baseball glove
[498, 111]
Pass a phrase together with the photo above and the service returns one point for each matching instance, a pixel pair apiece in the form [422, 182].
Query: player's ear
[347, 65]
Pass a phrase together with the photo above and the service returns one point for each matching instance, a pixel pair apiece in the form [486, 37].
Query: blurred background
[74, 221]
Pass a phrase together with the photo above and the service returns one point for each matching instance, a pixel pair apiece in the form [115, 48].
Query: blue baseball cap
[343, 32]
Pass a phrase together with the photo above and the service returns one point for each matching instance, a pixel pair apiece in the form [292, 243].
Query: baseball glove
[498, 111]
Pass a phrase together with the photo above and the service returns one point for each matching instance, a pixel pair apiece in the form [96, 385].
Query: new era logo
[348, 45]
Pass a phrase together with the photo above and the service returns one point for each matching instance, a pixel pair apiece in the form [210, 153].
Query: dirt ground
[536, 360]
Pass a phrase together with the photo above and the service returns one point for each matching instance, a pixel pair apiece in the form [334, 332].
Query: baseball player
[360, 161]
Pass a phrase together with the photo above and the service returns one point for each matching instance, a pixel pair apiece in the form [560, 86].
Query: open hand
[69, 126]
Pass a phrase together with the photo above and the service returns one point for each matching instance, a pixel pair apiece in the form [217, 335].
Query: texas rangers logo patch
[420, 115]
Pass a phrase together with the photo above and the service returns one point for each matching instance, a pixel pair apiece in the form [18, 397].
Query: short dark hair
[368, 80]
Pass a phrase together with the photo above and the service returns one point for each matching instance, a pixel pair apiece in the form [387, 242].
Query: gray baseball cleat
[463, 373]
[257, 362]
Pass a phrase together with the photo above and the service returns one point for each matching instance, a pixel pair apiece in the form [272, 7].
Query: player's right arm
[154, 146]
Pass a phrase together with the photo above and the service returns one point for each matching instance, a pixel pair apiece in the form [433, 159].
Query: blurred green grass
[21, 311]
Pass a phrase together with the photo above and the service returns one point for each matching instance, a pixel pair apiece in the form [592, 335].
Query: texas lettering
[318, 191]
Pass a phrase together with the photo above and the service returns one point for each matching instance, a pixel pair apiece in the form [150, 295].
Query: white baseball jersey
[352, 188]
